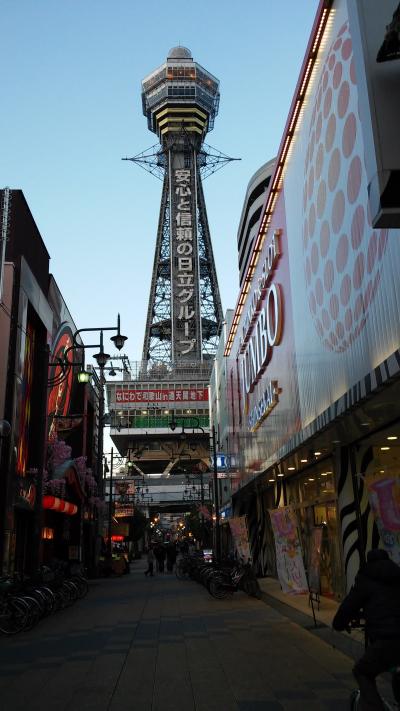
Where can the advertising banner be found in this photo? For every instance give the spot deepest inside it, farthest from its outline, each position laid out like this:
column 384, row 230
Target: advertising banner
column 314, row 560
column 384, row 498
column 289, row 558
column 240, row 536
column 144, row 396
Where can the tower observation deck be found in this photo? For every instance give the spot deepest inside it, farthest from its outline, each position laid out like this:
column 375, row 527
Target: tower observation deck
column 184, row 318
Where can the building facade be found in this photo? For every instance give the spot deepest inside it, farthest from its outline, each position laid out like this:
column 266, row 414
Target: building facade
column 46, row 487
column 313, row 360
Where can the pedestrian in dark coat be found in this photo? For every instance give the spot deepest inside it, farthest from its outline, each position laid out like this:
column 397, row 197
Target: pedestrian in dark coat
column 159, row 552
column 375, row 597
column 171, row 557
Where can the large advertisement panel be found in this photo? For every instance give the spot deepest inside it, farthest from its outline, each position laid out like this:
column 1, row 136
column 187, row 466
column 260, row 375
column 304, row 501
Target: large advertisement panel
column 330, row 290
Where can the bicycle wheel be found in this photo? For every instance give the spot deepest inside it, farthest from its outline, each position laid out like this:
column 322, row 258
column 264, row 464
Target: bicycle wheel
column 181, row 571
column 13, row 616
column 354, row 699
column 81, row 584
column 218, row 591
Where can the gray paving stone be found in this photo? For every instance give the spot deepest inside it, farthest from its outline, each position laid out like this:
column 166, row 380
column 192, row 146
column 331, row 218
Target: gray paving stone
column 166, row 645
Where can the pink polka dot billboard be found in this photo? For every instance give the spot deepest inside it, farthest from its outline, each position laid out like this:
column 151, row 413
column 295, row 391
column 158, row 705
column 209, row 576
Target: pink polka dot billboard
column 342, row 253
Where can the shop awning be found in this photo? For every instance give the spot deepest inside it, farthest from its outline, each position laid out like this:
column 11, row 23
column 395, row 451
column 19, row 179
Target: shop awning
column 56, row 504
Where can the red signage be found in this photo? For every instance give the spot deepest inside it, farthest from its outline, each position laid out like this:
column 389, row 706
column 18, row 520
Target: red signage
column 162, row 396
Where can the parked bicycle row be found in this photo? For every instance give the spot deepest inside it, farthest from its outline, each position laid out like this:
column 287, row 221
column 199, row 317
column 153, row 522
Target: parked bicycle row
column 221, row 579
column 24, row 602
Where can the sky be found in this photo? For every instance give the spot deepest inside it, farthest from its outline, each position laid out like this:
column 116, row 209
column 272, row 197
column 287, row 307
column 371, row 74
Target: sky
column 71, row 109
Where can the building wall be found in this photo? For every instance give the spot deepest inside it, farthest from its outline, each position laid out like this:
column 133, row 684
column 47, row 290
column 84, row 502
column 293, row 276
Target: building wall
column 334, row 335
column 251, row 213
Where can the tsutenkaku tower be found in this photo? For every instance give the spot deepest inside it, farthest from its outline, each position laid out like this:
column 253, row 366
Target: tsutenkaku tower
column 184, row 318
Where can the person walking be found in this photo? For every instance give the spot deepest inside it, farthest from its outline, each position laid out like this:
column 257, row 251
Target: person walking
column 150, row 563
column 161, row 557
column 171, row 557
column 375, row 597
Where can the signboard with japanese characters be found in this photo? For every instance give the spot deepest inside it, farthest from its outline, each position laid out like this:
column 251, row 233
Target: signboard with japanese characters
column 161, row 396
column 186, row 331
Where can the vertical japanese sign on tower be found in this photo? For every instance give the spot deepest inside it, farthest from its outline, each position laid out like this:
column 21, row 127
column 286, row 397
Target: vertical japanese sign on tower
column 185, row 274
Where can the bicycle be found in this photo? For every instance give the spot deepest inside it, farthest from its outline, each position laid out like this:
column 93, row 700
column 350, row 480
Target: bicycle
column 394, row 671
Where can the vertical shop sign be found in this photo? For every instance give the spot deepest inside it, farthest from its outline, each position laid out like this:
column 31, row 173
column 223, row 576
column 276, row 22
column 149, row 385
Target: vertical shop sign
column 384, row 498
column 240, row 537
column 185, row 261
column 289, row 558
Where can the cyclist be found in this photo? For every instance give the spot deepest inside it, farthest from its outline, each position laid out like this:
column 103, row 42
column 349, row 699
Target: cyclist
column 375, row 596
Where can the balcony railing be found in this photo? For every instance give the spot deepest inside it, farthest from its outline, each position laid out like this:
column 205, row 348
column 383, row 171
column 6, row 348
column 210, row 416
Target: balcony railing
column 150, row 422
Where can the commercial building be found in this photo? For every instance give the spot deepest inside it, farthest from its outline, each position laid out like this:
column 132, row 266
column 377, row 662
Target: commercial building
column 47, row 495
column 313, row 359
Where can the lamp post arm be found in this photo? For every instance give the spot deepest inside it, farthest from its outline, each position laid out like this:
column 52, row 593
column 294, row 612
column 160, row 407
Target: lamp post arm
column 80, row 330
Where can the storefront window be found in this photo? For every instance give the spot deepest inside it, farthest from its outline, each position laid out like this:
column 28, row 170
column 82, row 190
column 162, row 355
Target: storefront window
column 313, row 496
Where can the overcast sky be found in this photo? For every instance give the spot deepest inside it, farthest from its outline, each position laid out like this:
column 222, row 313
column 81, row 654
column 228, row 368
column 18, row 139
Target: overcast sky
column 71, row 109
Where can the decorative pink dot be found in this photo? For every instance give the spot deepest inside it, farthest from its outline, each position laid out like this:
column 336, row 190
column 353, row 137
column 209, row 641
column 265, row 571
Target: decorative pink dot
column 319, row 97
column 372, row 250
column 329, row 275
column 319, row 292
column 368, row 295
column 311, row 183
column 330, row 133
column 318, row 326
column 375, row 286
column 327, row 102
column 314, row 258
column 337, row 75
column 318, row 128
column 354, row 179
column 312, row 145
column 325, row 78
column 382, row 243
column 319, row 161
column 305, row 197
column 324, row 239
column 345, row 290
column 348, row 319
column 311, row 221
column 343, row 100
column 338, row 211
column 353, row 76
column 305, row 236
column 331, row 61
column 346, row 49
column 342, row 29
column 334, row 170
column 358, row 271
column 340, row 329
column 358, row 307
column 313, row 305
column 349, row 135
column 337, row 44
column 334, row 306
column 357, row 227
column 333, row 339
column 321, row 199
column 345, row 344
column 342, row 253
column 327, row 344
column 326, row 319
column 308, row 270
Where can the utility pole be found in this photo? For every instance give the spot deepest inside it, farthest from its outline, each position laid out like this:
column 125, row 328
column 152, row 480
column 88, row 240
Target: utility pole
column 216, row 497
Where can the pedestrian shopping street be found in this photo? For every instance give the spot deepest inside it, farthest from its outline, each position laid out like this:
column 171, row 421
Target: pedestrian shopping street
column 160, row 643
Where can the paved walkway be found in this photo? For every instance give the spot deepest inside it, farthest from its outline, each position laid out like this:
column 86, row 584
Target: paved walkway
column 160, row 644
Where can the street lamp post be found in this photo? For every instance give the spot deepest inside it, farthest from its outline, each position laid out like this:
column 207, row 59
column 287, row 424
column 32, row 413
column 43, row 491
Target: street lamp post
column 172, row 426
column 216, row 497
column 110, row 507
